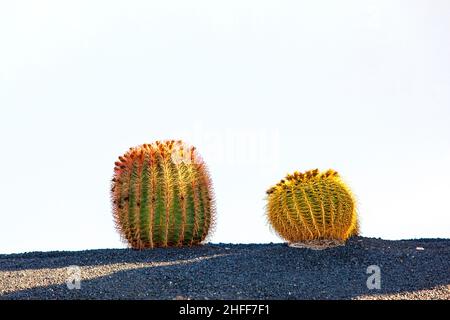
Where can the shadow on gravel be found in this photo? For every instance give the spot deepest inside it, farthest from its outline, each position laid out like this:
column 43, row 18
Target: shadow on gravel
column 62, row 259
column 271, row 271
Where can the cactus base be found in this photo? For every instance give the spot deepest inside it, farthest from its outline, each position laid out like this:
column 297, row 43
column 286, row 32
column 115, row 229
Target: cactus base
column 317, row 244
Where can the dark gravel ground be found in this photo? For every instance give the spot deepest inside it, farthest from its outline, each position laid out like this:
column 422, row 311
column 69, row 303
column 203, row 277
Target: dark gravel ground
column 410, row 269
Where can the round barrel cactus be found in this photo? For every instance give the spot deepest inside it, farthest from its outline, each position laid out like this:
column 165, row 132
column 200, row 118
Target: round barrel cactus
column 312, row 205
column 162, row 196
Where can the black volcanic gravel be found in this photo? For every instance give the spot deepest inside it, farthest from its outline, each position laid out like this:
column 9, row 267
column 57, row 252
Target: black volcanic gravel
column 410, row 269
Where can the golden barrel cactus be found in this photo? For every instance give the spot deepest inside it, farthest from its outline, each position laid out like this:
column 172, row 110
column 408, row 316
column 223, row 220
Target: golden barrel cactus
column 312, row 206
column 162, row 196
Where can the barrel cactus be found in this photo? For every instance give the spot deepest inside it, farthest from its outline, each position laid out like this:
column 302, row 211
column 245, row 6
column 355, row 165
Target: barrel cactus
column 162, row 196
column 312, row 206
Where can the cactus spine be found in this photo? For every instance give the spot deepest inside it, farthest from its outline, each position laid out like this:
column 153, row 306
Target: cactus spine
column 312, row 205
column 162, row 196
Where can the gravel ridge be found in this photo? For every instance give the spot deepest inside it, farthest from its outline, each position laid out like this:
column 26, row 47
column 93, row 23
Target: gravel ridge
column 410, row 269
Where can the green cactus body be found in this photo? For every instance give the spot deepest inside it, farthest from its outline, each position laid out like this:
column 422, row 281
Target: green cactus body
column 162, row 196
column 312, row 205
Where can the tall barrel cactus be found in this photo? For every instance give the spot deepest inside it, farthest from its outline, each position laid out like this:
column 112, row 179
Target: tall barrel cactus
column 312, row 205
column 162, row 196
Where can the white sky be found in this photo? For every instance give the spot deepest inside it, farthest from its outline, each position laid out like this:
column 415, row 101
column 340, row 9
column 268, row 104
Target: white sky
column 262, row 88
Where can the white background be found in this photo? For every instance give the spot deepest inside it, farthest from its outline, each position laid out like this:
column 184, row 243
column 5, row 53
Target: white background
column 262, row 88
